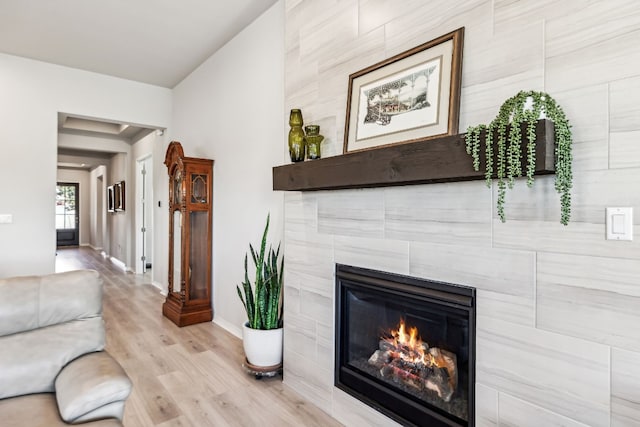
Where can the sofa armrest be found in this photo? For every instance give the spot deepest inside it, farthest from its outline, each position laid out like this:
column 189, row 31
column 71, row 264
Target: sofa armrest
column 93, row 386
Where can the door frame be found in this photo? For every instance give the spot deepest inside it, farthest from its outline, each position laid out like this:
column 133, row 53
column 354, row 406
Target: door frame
column 76, row 240
column 143, row 207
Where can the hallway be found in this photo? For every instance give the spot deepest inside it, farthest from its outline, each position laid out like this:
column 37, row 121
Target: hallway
column 189, row 376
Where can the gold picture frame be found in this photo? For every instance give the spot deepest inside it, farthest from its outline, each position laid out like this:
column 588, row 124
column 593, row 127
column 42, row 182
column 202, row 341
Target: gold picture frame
column 409, row 97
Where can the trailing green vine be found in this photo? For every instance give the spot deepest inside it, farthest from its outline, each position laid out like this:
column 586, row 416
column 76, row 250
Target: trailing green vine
column 524, row 108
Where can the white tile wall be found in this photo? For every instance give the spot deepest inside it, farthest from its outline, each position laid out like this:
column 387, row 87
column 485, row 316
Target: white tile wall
column 351, row 213
column 510, row 308
column 608, row 291
column 594, row 60
column 430, row 213
column 497, row 270
column 518, row 413
column 557, row 306
column 511, row 52
column 624, row 100
column 588, row 112
column 624, row 149
column 378, row 254
column 561, row 374
column 486, row 406
column 481, row 102
column 625, row 388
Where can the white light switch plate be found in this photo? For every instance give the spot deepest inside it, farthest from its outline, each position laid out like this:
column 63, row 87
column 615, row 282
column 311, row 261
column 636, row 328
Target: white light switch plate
column 6, row 218
column 619, row 223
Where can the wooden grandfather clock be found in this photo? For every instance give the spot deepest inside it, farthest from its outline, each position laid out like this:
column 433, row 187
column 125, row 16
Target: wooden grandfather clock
column 190, row 191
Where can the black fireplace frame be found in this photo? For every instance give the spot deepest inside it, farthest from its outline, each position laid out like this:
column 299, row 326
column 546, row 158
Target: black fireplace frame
column 452, row 295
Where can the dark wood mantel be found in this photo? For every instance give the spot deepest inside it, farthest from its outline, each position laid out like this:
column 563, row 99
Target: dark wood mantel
column 436, row 160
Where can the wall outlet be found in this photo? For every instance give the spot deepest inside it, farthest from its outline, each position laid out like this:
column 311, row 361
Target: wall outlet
column 6, row 219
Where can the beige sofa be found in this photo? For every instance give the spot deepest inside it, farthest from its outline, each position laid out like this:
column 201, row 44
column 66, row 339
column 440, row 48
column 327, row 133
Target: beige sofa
column 53, row 370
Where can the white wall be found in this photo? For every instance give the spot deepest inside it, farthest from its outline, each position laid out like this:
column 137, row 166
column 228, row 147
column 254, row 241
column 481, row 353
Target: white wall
column 98, row 220
column 119, row 222
column 32, row 94
column 81, row 177
column 231, row 110
column 558, row 342
column 160, row 269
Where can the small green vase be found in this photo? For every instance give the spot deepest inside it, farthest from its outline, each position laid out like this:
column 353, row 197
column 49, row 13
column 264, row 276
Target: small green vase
column 297, row 144
column 313, row 139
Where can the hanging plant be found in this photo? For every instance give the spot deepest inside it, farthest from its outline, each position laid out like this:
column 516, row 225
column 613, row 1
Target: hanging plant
column 526, row 107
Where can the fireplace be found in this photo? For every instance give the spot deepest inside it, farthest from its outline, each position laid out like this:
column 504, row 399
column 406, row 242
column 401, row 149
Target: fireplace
column 406, row 346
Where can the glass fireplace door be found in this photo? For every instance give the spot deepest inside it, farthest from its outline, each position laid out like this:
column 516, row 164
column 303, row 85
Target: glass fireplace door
column 405, row 349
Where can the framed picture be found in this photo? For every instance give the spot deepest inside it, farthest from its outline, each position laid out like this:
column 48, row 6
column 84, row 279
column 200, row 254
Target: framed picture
column 110, row 200
column 410, row 97
column 118, row 189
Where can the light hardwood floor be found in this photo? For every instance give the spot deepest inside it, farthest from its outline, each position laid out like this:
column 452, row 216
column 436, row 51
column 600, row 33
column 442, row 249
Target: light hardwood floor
column 189, row 376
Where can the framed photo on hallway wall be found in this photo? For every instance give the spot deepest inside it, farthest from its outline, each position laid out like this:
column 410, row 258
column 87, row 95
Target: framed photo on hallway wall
column 118, row 200
column 110, row 201
column 410, row 97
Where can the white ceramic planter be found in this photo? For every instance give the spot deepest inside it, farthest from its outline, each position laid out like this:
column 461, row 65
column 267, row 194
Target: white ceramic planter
column 262, row 347
column 528, row 105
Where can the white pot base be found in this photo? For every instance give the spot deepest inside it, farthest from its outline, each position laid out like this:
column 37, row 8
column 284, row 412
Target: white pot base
column 262, row 347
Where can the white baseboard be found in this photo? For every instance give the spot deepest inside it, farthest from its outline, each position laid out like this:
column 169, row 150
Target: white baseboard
column 121, row 265
column 162, row 288
column 95, row 248
column 229, row 327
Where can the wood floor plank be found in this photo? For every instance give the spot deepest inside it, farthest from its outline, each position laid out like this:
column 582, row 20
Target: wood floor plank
column 184, row 377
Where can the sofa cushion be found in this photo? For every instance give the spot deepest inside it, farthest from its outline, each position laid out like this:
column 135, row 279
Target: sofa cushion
column 30, row 361
column 31, row 302
column 39, row 410
column 90, row 385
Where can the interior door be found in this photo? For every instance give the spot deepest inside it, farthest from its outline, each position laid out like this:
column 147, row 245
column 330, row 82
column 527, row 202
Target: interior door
column 67, row 219
column 143, row 230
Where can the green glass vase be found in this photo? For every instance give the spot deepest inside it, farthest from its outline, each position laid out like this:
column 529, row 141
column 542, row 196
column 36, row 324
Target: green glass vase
column 313, row 139
column 297, row 145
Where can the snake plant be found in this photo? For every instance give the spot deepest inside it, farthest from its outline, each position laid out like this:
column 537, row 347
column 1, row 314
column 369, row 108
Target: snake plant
column 262, row 299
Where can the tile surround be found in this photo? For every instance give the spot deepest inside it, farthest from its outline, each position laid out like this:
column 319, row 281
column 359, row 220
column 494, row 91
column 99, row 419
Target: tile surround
column 561, row 374
column 609, row 294
column 624, row 150
column 625, row 388
column 430, row 213
column 486, row 406
column 514, row 309
column 355, row 213
column 378, row 254
column 501, row 271
column 518, row 413
column 624, row 100
column 554, row 345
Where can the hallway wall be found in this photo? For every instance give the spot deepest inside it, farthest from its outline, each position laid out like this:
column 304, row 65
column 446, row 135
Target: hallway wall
column 33, row 93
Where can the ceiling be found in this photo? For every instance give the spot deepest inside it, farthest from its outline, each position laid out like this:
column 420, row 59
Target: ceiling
column 159, row 42
column 74, row 158
column 73, row 124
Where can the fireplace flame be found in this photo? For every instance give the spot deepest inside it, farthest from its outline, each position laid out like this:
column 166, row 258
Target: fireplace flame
column 403, row 358
column 411, row 339
column 413, row 348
